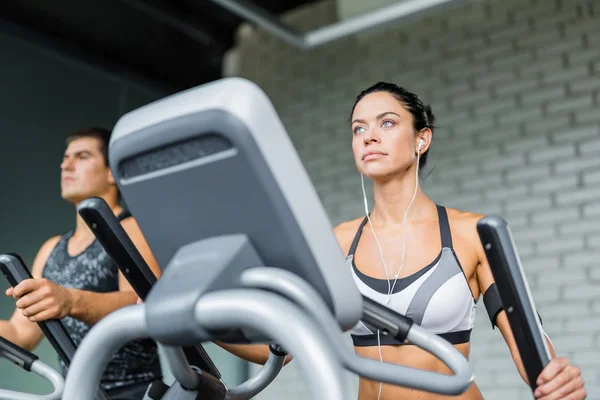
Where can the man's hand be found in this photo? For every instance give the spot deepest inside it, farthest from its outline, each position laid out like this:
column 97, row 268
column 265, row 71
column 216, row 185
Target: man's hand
column 560, row 380
column 41, row 299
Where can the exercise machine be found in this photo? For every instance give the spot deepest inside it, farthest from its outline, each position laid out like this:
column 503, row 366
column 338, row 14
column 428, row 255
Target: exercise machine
column 111, row 235
column 247, row 251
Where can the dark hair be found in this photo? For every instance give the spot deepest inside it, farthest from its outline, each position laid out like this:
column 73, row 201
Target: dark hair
column 103, row 136
column 422, row 115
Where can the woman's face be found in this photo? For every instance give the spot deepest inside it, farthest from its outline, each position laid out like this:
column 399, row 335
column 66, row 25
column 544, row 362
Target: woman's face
column 384, row 140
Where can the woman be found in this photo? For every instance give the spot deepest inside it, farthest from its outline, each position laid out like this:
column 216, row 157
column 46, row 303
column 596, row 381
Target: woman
column 416, row 257
column 435, row 273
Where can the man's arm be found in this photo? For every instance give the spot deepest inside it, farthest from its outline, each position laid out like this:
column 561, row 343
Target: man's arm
column 42, row 299
column 19, row 329
column 91, row 307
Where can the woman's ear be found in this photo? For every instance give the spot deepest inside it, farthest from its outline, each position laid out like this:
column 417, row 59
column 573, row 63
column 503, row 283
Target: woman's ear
column 424, row 140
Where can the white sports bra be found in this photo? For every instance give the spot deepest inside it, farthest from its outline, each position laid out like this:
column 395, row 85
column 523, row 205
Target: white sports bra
column 437, row 297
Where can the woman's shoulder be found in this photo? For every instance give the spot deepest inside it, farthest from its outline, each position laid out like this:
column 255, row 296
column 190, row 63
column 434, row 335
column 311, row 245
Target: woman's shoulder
column 464, row 223
column 346, row 231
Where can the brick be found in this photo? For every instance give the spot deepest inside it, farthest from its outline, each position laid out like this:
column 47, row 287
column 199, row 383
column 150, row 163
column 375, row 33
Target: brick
column 495, row 107
column 596, row 307
column 538, row 66
column 504, row 193
column 555, row 215
column 576, row 134
column 586, row 117
column 577, row 164
column 521, row 115
column 580, row 196
column 566, row 75
column 528, row 173
column 493, row 51
column 561, row 245
column 459, row 171
column 550, row 123
column 593, row 241
column 591, row 210
column 482, row 182
column 491, row 137
column 579, row 57
column 573, row 341
column 595, row 275
column 555, row 184
column 591, row 146
column 541, row 39
column 543, row 95
column 583, row 26
column 549, row 295
column 566, row 309
column 509, row 33
column 503, row 162
column 542, row 264
column 511, row 61
column 562, row 46
column 466, row 72
column 495, row 79
column 477, row 127
column 560, row 278
column 591, row 178
column 476, row 154
column 578, row 324
column 552, row 153
column 525, row 144
column 580, row 260
column 554, row 19
column 579, row 227
column 530, row 204
column 586, row 291
column 572, row 104
column 462, row 45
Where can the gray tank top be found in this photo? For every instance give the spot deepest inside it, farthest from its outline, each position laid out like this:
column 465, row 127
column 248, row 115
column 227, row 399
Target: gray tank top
column 93, row 270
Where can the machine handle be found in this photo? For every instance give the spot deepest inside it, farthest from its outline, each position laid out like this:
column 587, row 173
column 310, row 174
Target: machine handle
column 110, row 234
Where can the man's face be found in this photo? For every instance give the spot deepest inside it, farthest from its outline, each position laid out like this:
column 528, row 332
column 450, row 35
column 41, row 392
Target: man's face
column 84, row 172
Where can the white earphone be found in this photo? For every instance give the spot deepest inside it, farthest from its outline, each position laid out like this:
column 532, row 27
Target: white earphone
column 391, row 287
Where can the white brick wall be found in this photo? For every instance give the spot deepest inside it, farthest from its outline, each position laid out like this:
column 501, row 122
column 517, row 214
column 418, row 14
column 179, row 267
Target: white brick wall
column 515, row 86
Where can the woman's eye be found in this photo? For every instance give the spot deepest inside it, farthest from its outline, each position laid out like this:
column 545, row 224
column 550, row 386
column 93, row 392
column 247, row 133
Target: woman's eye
column 358, row 129
column 387, row 123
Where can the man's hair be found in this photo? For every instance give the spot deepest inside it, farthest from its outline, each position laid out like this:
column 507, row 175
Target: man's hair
column 103, row 136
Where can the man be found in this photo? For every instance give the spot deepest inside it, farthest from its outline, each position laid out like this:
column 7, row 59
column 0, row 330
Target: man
column 76, row 281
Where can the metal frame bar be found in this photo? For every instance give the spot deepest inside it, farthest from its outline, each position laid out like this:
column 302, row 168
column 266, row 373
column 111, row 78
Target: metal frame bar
column 333, row 32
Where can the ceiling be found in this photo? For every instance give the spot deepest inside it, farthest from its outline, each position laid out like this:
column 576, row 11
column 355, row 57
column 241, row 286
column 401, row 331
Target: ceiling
column 176, row 44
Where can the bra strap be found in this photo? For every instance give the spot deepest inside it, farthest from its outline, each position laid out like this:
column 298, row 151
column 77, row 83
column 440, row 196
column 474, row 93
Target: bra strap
column 357, row 237
column 444, row 227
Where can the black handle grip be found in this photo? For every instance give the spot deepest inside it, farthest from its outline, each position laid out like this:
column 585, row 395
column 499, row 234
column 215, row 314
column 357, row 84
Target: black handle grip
column 15, row 270
column 110, row 234
column 381, row 317
column 514, row 291
column 16, row 354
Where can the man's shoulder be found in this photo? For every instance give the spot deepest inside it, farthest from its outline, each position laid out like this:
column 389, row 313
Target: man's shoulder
column 51, row 243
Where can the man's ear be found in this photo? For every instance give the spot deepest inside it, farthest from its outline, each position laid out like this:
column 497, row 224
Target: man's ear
column 111, row 178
